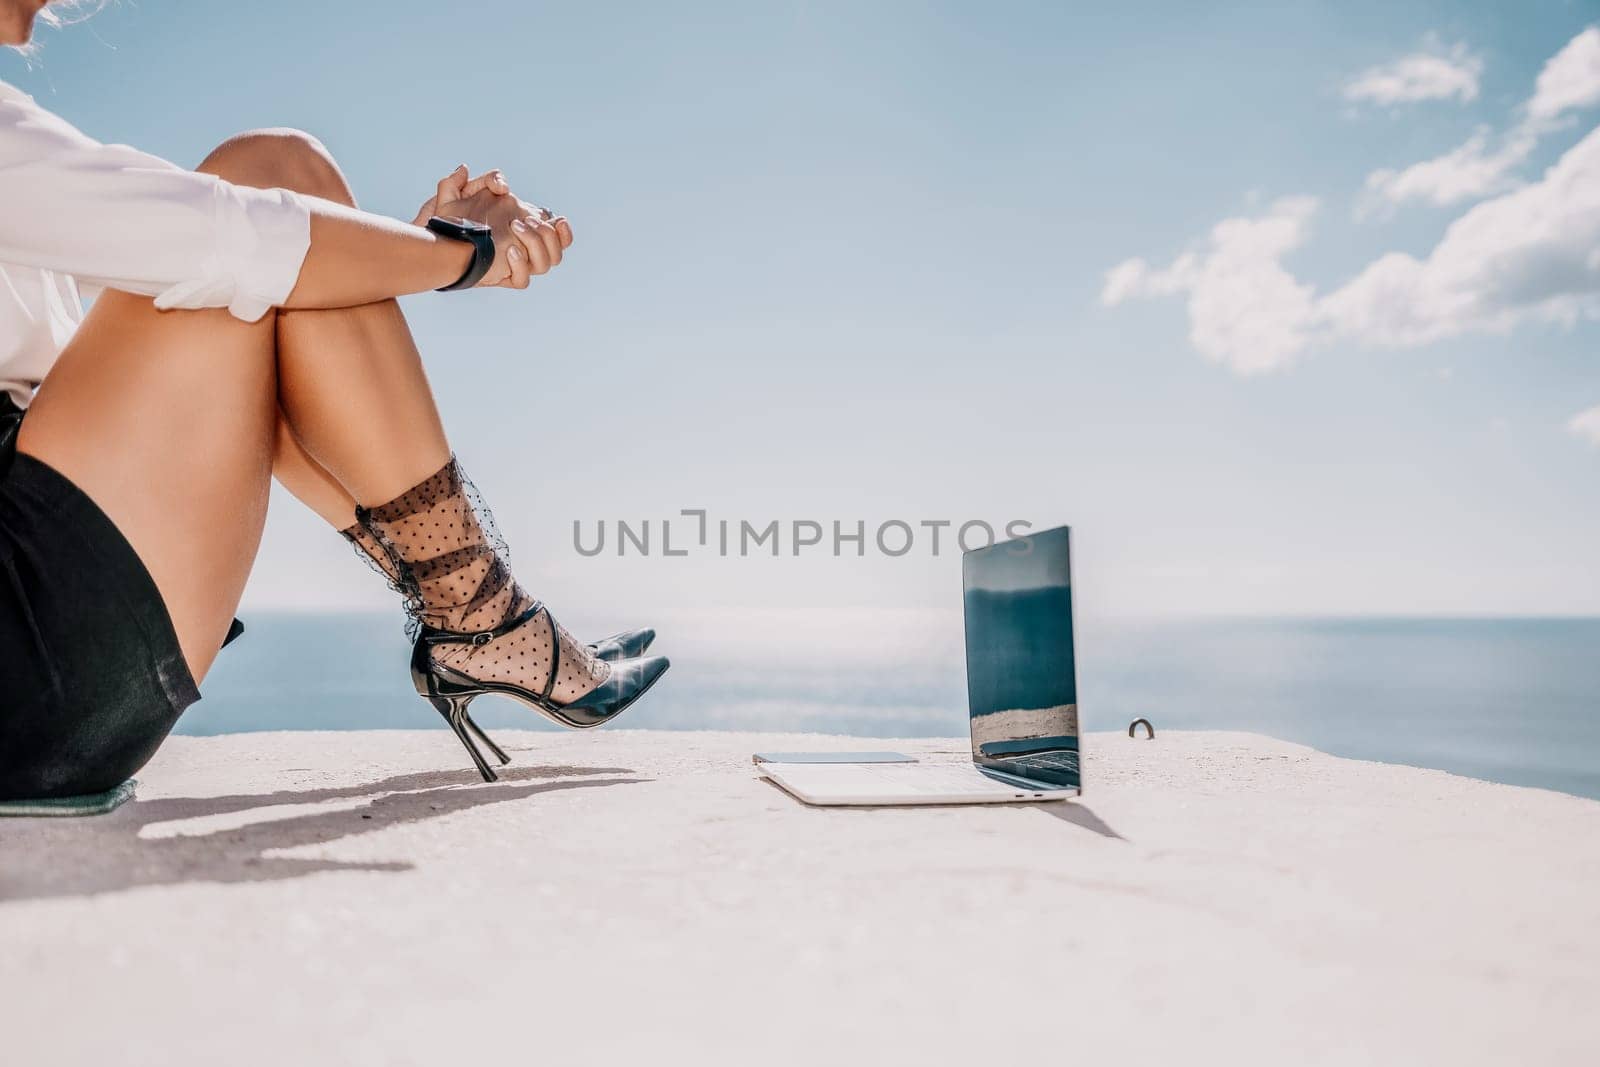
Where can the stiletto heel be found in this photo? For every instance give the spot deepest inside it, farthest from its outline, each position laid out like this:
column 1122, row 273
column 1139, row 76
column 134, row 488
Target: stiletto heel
column 485, row 738
column 454, row 710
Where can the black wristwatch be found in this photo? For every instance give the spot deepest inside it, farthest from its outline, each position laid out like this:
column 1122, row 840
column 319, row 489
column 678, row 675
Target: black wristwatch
column 478, row 236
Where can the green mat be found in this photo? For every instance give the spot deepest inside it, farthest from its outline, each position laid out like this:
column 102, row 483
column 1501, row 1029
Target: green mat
column 88, row 804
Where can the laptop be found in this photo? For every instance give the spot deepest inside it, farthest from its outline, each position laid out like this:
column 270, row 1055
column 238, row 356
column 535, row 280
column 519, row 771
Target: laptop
column 1022, row 694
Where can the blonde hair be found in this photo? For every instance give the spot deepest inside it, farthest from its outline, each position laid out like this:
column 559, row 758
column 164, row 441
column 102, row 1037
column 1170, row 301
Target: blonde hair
column 51, row 14
column 59, row 13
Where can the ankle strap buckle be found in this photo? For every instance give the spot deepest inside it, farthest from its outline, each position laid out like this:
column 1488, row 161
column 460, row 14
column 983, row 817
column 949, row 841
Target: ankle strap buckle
column 431, row 636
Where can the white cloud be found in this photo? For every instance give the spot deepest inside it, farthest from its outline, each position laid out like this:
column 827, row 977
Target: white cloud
column 1435, row 73
column 1526, row 254
column 1128, row 278
column 1533, row 253
column 1469, row 172
column 1570, row 80
column 1586, row 424
column 1245, row 310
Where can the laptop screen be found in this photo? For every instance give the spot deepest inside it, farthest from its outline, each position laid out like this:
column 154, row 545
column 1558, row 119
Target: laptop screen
column 1022, row 691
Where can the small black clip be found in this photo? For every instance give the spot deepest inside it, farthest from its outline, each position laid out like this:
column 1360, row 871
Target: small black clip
column 1150, row 731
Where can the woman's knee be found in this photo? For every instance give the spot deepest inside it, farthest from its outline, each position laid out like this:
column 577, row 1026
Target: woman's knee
column 280, row 158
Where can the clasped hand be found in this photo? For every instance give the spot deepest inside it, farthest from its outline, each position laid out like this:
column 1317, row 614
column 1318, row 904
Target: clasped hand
column 528, row 239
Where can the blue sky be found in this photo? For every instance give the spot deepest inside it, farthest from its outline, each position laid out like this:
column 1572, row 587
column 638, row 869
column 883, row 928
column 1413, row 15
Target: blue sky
column 851, row 262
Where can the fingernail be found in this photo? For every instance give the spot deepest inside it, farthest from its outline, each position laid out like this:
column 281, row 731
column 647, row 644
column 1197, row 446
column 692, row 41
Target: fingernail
column 515, row 253
column 517, row 225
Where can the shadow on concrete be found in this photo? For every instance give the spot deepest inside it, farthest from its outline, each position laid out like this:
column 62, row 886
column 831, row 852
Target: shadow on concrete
column 42, row 858
column 1078, row 815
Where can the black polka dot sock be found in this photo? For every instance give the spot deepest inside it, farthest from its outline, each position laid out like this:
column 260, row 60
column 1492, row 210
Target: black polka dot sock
column 444, row 554
column 368, row 548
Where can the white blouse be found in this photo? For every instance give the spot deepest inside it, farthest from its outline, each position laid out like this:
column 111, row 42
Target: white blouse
column 76, row 213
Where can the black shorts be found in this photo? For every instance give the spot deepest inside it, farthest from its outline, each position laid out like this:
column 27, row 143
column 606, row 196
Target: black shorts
column 91, row 675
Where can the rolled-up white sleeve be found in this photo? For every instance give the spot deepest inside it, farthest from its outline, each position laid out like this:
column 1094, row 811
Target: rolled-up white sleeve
column 112, row 216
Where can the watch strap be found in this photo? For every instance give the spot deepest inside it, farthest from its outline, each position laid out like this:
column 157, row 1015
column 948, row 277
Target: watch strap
column 482, row 242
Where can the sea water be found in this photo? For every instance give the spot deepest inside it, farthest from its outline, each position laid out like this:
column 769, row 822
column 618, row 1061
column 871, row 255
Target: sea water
column 1510, row 700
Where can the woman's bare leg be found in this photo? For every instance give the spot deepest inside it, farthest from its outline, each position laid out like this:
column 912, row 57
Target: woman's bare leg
column 308, row 480
column 352, row 387
column 344, row 375
column 166, row 421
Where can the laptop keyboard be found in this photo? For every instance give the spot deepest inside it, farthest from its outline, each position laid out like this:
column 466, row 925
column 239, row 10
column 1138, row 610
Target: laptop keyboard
column 1044, row 761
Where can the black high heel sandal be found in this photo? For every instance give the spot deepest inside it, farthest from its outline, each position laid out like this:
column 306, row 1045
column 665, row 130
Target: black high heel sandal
column 450, row 691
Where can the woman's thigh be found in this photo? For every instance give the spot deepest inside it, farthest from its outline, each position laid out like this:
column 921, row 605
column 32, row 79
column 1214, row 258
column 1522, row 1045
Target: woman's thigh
column 166, row 421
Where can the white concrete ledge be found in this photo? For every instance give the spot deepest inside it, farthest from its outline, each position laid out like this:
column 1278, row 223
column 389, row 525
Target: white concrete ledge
column 1216, row 898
